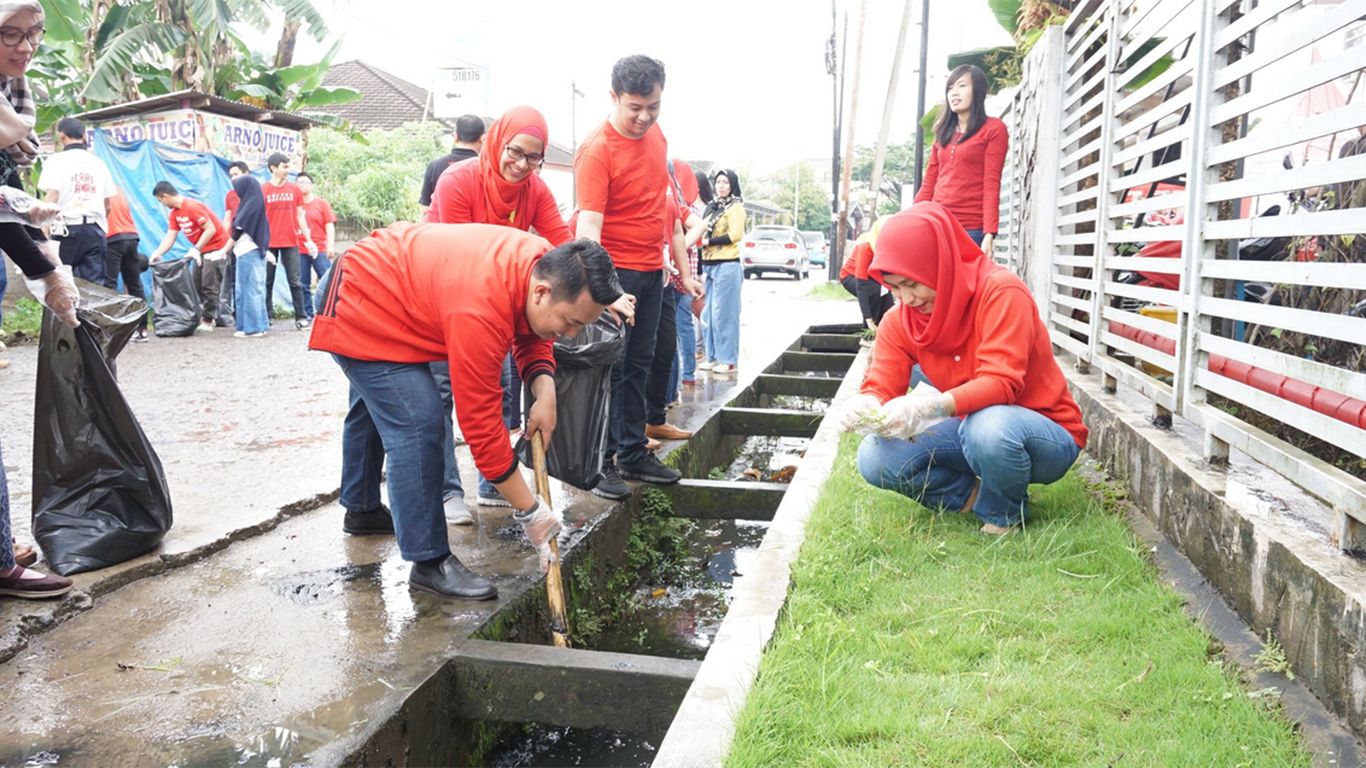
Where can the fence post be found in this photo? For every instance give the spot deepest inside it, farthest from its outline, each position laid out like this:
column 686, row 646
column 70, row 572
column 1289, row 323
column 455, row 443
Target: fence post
column 1103, row 174
column 1044, row 175
column 1194, row 248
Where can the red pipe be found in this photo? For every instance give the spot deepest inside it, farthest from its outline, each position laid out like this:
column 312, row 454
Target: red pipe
column 1320, row 400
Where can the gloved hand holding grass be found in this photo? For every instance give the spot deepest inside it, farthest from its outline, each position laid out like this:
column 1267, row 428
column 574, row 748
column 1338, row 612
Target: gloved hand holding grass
column 57, row 291
column 861, row 414
column 906, row 416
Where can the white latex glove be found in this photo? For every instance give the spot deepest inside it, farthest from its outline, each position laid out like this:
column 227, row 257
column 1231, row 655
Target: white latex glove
column 860, row 413
column 541, row 524
column 270, row 257
column 194, row 253
column 906, row 416
column 57, row 291
column 218, row 255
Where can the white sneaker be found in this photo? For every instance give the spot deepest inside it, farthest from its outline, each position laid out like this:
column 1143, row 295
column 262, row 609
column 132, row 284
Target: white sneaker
column 457, row 513
column 705, row 365
column 723, row 368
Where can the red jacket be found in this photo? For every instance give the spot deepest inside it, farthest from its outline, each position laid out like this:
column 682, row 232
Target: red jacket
column 417, row 293
column 1006, row 360
column 856, row 263
column 453, row 203
column 966, row 177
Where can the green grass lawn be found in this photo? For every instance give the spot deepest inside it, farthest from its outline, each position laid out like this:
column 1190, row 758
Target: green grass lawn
column 830, row 292
column 23, row 322
column 911, row 639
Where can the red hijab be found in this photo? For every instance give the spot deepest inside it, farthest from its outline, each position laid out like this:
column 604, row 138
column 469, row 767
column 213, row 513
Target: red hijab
column 504, row 199
column 926, row 244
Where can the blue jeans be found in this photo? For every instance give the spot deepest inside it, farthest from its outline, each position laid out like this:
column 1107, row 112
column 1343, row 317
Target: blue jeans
column 1007, row 446
column 308, row 266
column 722, row 311
column 4, row 286
column 251, row 293
column 632, row 369
column 685, row 359
column 395, row 413
column 976, row 235
column 450, row 485
column 6, row 545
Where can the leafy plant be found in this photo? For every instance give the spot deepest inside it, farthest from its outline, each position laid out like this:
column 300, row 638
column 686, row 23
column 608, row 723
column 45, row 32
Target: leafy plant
column 373, row 183
column 1272, row 658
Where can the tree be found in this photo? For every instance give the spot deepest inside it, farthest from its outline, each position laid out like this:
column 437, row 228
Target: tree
column 813, row 206
column 374, row 183
column 897, row 171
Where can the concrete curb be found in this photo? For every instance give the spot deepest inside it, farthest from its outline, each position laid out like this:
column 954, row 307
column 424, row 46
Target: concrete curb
column 701, row 732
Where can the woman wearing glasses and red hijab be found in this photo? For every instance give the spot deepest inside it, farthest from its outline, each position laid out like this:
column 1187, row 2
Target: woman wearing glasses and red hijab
column 502, row 187
column 1002, row 417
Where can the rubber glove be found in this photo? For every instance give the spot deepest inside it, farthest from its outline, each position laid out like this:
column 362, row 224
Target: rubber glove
column 57, row 291
column 541, row 524
column 906, row 416
column 860, row 413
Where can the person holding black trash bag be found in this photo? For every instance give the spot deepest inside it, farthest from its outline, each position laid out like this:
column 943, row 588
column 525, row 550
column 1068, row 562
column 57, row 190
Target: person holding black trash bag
column 411, row 294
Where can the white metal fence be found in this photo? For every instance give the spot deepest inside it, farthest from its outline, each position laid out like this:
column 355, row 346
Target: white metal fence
column 1182, row 123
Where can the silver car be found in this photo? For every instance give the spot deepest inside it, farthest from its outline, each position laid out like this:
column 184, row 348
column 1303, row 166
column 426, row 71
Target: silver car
column 771, row 248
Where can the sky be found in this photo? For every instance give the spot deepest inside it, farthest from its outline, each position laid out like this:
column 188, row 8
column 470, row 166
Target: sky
column 746, row 81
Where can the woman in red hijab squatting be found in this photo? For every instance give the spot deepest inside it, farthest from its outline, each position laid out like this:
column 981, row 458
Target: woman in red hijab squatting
column 1002, row 417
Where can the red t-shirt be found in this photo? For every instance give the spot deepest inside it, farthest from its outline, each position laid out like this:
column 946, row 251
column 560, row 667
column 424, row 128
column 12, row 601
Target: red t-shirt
column 192, row 218
column 626, row 180
column 416, row 293
column 231, row 202
column 1006, row 360
column 120, row 218
column 454, row 202
column 318, row 214
column 966, row 177
column 282, row 212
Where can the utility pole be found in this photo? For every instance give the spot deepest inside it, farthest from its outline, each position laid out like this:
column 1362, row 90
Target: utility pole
column 574, row 95
column 880, row 154
column 849, row 134
column 796, row 193
column 836, row 74
column 920, row 97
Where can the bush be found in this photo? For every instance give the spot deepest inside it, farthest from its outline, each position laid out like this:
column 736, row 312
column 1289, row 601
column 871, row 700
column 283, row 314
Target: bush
column 377, row 182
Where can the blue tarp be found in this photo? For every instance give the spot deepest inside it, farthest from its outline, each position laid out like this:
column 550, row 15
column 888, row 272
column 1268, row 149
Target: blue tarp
column 137, row 167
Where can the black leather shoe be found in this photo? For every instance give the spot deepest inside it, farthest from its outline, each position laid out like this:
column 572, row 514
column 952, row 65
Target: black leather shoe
column 451, row 579
column 368, row 523
column 611, row 486
column 651, row 470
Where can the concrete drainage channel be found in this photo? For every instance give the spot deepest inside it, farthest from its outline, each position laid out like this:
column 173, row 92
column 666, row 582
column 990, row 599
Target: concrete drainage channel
column 661, row 594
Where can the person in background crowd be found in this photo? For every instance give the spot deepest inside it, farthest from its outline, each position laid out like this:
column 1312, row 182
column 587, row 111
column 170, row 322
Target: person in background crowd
column 250, row 228
column 696, row 195
column 679, row 269
column 21, row 32
column 621, row 178
column 501, row 187
column 207, row 238
column 123, row 259
column 964, row 174
column 872, row 302
column 411, row 294
column 725, row 218
column 81, row 185
column 322, row 229
column 288, row 230
column 469, row 137
column 230, row 202
column 1005, row 416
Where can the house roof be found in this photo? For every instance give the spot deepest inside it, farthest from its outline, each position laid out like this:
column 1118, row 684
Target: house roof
column 191, row 99
column 388, row 101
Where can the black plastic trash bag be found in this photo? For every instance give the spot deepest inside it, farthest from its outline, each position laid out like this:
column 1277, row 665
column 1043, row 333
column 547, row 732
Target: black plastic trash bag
column 227, row 294
column 175, row 298
column 99, row 493
column 583, row 387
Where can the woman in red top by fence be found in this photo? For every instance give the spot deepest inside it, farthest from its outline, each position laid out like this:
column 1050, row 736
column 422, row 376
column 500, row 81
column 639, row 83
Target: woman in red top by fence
column 975, row 332
column 969, row 151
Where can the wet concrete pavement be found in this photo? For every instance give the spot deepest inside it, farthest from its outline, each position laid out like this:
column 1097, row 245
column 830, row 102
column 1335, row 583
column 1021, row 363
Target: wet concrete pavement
column 270, row 644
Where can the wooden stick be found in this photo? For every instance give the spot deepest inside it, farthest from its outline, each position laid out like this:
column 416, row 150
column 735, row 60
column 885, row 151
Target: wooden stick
column 554, row 585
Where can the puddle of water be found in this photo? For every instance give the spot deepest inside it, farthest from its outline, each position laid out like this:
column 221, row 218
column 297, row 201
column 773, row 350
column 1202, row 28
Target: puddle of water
column 539, row 745
column 769, row 455
column 799, row 403
column 680, row 619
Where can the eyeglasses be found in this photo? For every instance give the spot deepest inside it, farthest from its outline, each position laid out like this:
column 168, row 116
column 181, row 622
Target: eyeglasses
column 533, row 159
column 10, row 37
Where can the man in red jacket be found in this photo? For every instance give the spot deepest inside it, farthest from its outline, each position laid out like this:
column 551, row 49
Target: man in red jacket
column 465, row 293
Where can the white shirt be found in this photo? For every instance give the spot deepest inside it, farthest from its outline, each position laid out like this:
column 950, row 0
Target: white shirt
column 82, row 182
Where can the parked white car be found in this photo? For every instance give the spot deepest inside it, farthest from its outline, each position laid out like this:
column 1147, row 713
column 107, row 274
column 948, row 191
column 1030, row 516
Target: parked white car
column 771, row 248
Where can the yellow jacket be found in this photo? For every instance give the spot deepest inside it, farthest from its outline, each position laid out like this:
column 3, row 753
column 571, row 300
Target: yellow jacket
column 732, row 223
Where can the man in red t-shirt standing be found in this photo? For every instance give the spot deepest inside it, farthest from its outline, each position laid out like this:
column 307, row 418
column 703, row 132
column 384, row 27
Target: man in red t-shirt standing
column 206, row 235
column 230, row 203
column 288, row 229
column 621, row 177
column 322, row 229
